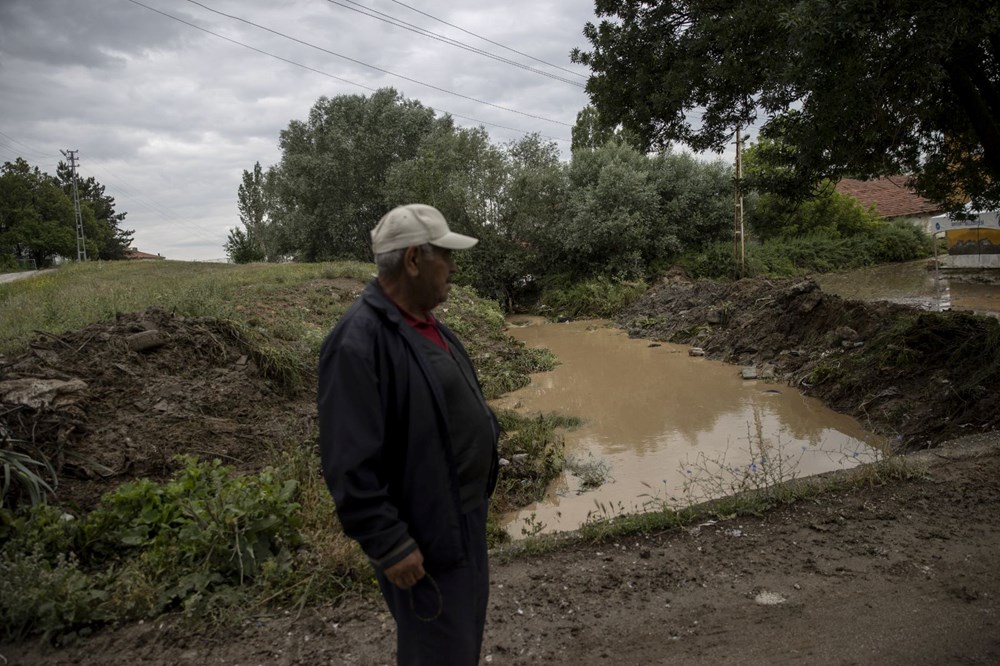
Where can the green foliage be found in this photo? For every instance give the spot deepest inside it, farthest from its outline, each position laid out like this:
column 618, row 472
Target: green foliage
column 190, row 542
column 106, row 239
column 855, row 88
column 20, row 473
column 783, row 257
column 257, row 242
column 329, row 189
column 826, row 213
column 539, row 457
column 597, row 297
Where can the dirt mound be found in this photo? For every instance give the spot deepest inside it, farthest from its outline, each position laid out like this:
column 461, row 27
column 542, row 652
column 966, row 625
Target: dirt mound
column 119, row 400
column 917, row 376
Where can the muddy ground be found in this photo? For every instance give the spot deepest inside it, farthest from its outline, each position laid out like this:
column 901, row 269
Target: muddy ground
column 919, row 378
column 901, row 573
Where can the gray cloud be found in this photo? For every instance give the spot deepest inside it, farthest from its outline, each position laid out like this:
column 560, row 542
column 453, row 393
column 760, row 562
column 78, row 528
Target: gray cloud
column 168, row 116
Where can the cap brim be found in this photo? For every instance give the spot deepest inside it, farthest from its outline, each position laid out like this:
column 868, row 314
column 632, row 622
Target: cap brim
column 453, row 241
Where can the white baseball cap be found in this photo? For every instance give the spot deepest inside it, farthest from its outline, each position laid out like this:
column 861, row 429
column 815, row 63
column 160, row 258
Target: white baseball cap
column 416, row 224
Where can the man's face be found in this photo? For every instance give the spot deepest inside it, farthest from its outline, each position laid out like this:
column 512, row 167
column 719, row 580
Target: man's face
column 434, row 278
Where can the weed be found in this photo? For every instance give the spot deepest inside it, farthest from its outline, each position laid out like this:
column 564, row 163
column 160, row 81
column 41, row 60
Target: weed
column 22, row 473
column 592, row 472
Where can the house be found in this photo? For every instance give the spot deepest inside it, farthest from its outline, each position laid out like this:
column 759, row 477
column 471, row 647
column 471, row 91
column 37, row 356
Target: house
column 893, row 199
column 134, row 254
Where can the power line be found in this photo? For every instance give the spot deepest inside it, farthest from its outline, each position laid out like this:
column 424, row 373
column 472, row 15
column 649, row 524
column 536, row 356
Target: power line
column 38, row 154
column 337, row 78
column 486, row 39
column 339, row 55
column 120, row 191
column 399, row 23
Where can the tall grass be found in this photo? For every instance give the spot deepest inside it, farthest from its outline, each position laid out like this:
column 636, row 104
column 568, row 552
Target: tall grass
column 77, row 295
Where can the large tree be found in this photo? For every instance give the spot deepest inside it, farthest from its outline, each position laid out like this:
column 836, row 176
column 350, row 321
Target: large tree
column 329, row 188
column 102, row 225
column 856, row 87
column 36, row 217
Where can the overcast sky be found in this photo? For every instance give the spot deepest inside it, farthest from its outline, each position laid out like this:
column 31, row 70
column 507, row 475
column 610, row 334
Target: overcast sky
column 168, row 116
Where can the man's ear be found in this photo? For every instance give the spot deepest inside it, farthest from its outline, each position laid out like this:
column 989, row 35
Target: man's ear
column 410, row 261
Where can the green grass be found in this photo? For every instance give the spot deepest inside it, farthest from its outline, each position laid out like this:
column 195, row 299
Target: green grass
column 204, row 543
column 80, row 294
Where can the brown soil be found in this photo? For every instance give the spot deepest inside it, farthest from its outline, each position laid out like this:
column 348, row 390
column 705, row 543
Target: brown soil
column 918, row 377
column 902, row 573
column 105, row 413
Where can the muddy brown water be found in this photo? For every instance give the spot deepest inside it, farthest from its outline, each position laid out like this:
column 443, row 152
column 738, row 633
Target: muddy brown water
column 911, row 283
column 667, row 427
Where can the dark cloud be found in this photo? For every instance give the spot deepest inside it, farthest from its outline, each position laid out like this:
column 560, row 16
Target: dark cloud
column 86, row 34
column 167, row 116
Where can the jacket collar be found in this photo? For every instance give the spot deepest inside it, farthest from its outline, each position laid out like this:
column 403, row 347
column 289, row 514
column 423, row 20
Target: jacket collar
column 382, row 304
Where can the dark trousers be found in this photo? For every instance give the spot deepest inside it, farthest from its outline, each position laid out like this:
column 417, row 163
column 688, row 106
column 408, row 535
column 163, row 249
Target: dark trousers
column 444, row 629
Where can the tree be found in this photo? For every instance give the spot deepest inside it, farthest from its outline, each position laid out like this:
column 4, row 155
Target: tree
column 856, row 87
column 252, row 202
column 37, row 219
column 106, row 239
column 329, row 187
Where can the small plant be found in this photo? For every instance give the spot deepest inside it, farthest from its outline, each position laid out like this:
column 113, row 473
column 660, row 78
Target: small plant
column 532, row 525
column 592, row 472
column 21, row 472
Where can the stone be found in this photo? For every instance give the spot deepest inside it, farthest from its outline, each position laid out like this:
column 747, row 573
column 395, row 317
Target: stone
column 145, row 340
column 748, row 373
column 696, row 351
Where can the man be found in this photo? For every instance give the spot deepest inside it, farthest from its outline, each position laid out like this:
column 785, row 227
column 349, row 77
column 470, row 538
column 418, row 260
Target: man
column 408, row 443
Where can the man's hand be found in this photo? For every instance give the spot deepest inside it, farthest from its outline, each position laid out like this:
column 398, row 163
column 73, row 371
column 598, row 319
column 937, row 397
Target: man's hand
column 405, row 573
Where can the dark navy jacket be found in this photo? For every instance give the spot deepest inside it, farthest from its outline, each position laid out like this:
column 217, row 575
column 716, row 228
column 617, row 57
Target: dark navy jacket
column 383, row 437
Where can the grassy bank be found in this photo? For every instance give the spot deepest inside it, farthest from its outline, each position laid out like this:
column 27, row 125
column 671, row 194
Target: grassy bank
column 216, row 538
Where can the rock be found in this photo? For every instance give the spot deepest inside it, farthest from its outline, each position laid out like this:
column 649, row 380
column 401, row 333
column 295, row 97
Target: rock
column 713, row 317
column 767, row 371
column 37, row 393
column 696, row 351
column 145, row 340
column 749, row 373
column 845, row 333
column 519, row 458
column 810, row 301
column 503, row 462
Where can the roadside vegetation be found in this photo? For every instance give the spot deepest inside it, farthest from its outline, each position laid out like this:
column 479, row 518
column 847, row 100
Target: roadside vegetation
column 213, row 537
column 185, row 479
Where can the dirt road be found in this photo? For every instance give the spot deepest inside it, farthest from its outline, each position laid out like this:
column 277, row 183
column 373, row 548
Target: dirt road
column 904, row 573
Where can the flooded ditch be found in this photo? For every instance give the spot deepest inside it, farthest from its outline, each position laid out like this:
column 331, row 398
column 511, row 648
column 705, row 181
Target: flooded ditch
column 662, row 426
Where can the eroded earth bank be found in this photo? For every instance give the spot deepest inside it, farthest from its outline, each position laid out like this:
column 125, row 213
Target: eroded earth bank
column 896, row 568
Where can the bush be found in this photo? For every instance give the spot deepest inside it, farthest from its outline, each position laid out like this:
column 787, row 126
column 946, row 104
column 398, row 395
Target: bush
column 191, row 542
column 597, row 297
column 886, row 242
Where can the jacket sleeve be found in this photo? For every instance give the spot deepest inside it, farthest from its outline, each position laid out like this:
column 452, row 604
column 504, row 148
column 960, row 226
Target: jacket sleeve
column 353, row 453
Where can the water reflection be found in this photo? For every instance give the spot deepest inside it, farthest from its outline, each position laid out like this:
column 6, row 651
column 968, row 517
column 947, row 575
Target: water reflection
column 659, row 419
column 912, row 283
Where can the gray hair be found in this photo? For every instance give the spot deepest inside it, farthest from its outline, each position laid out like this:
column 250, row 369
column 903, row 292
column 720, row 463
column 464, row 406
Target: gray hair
column 390, row 263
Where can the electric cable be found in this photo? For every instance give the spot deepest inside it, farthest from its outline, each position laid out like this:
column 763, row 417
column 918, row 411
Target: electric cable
column 399, row 23
column 338, row 55
column 486, row 39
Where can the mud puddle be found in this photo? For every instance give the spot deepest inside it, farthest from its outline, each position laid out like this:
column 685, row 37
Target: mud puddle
column 911, row 283
column 662, row 426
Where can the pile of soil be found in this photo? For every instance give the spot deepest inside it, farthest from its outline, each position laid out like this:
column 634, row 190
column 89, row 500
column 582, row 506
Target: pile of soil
column 918, row 377
column 119, row 400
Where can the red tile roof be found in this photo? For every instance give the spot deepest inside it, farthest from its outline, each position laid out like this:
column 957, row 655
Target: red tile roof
column 136, row 254
column 891, row 196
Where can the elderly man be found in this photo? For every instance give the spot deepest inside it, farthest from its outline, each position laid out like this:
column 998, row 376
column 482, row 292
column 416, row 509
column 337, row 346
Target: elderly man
column 408, row 443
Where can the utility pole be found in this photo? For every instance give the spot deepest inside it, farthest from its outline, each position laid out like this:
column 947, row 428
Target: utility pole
column 81, row 243
column 739, row 245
